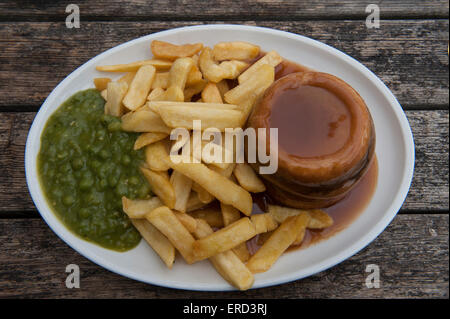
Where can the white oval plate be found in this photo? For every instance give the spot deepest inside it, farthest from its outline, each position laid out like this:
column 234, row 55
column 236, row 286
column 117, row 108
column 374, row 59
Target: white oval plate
column 394, row 149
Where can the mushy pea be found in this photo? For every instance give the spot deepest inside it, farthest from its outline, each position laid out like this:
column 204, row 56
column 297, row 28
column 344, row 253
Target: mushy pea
column 86, row 164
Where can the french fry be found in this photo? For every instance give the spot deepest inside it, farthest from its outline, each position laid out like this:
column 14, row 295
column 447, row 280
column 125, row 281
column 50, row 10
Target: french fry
column 160, row 184
column 211, row 215
column 319, row 218
column 277, row 243
column 194, row 89
column 210, row 69
column 202, row 193
column 227, row 263
column 168, row 224
column 195, row 59
column 253, row 88
column 157, row 156
column 194, row 76
column 148, row 138
column 138, row 208
column 187, row 220
column 236, row 50
column 223, row 87
column 162, row 78
column 229, row 214
column 242, row 252
column 177, row 79
column 280, row 213
column 233, row 68
column 127, row 77
column 224, row 239
column 101, row 83
column 182, row 187
column 157, row 105
column 211, row 94
column 144, row 121
column 160, row 244
column 104, row 94
column 183, row 116
column 220, row 187
column 134, row 66
column 263, row 223
column 169, row 51
column 272, row 58
column 194, row 202
column 248, row 179
column 157, row 94
column 115, row 93
column 301, row 235
column 139, row 87
column 225, row 172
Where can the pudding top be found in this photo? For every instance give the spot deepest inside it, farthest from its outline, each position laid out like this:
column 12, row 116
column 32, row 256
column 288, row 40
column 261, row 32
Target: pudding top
column 312, row 121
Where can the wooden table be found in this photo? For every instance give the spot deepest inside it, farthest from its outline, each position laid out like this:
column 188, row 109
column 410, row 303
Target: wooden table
column 408, row 52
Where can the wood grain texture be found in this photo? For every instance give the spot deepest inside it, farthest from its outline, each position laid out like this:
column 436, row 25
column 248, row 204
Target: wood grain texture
column 225, row 9
column 412, row 254
column 429, row 189
column 410, row 56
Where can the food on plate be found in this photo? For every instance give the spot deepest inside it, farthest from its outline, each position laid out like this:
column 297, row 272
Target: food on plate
column 113, row 166
column 160, row 244
column 139, row 87
column 167, row 223
column 326, row 138
column 86, row 164
column 277, row 243
column 227, row 264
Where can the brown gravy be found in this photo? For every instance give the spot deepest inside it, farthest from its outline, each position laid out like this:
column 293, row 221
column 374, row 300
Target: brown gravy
column 345, row 211
column 322, row 121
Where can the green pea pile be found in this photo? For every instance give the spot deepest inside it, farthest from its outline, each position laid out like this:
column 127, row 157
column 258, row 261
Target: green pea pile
column 86, row 164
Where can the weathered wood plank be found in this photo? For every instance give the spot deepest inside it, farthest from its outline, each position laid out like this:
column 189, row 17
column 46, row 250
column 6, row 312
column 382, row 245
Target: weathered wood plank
column 429, row 189
column 231, row 10
column 412, row 254
column 409, row 56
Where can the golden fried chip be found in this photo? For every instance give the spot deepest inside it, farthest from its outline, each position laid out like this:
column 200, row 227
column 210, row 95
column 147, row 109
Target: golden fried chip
column 138, row 208
column 272, row 58
column 168, row 224
column 160, row 244
column 248, row 179
column 169, row 51
column 182, row 186
column 101, row 83
column 278, row 242
column 134, row 66
column 227, row 264
column 236, row 50
column 160, row 184
column 115, row 93
column 139, row 88
column 224, row 239
column 144, row 121
column 217, row 185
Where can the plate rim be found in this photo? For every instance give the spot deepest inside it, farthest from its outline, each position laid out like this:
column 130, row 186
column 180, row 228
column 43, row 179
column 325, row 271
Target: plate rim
column 353, row 249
